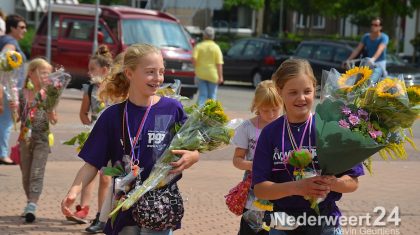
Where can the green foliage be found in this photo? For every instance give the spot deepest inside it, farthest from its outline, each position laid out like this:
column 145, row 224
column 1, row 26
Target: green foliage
column 254, row 4
column 26, row 43
column 224, row 46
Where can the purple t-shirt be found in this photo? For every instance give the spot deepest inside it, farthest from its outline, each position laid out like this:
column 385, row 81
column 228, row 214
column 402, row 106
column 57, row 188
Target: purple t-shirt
column 268, row 166
column 105, row 141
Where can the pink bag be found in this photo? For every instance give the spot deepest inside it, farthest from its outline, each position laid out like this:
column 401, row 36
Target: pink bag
column 15, row 154
column 237, row 196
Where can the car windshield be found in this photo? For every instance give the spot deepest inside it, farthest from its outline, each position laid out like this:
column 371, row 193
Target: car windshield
column 155, row 32
column 395, row 60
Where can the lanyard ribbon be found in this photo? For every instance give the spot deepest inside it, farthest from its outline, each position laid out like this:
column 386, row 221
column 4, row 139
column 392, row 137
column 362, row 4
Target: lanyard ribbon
column 133, row 142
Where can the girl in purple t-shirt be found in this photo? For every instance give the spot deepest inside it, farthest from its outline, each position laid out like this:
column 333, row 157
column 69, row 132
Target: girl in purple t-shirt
column 273, row 177
column 148, row 119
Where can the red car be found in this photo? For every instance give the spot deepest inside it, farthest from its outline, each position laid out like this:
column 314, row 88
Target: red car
column 72, row 35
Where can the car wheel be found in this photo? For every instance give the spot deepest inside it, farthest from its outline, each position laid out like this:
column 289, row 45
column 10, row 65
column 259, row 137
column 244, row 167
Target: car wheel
column 256, row 79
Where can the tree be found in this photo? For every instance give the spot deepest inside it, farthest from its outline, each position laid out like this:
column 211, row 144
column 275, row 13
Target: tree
column 253, row 4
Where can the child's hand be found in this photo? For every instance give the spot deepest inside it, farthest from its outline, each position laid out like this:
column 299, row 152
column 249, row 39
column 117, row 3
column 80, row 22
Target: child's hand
column 186, row 161
column 318, row 186
column 52, row 116
column 66, row 203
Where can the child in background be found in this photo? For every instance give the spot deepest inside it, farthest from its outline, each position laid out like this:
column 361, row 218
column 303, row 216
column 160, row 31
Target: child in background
column 267, row 106
column 146, row 114
column 273, row 177
column 33, row 139
column 99, row 67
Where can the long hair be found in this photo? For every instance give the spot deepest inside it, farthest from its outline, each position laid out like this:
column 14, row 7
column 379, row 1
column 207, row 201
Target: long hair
column 117, row 84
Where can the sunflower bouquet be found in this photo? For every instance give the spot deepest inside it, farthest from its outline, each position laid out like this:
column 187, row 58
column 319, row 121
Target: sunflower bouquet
column 10, row 62
column 357, row 118
column 206, row 129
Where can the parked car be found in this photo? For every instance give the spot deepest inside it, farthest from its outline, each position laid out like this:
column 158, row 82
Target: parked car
column 253, row 60
column 324, row 55
column 395, row 66
column 72, row 34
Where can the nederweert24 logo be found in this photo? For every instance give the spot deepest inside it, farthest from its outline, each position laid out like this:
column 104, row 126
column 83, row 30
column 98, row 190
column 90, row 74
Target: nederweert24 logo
column 155, row 138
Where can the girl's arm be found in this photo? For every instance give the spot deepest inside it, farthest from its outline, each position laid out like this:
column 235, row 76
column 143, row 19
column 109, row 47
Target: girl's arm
column 188, row 159
column 52, row 116
column 84, row 110
column 317, row 186
column 85, row 175
column 220, row 73
column 239, row 160
column 345, row 184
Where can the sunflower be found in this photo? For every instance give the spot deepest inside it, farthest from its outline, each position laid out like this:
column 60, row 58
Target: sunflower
column 390, row 88
column 413, row 93
column 14, row 59
column 263, row 205
column 363, row 71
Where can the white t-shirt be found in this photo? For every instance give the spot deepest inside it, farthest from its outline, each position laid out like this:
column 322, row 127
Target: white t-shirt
column 246, row 137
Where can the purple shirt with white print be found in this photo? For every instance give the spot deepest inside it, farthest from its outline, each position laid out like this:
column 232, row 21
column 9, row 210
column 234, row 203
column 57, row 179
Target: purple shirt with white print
column 105, row 141
column 268, row 165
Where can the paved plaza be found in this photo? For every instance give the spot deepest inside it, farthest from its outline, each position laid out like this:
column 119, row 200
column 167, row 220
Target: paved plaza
column 394, row 184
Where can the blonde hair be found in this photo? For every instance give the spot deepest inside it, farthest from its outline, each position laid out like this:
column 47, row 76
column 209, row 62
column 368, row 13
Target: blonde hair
column 33, row 65
column 290, row 69
column 266, row 94
column 102, row 56
column 117, row 84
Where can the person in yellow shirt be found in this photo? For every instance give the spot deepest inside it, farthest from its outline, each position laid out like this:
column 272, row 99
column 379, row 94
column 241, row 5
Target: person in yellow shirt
column 208, row 64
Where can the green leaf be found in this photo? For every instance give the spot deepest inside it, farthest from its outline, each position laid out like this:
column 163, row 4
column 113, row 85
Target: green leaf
column 112, row 171
column 339, row 149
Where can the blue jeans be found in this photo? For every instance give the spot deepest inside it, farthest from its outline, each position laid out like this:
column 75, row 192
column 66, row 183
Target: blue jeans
column 206, row 90
column 379, row 72
column 136, row 230
column 6, row 123
column 326, row 230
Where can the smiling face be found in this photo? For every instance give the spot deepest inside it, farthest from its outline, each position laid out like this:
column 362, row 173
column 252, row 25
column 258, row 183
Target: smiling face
column 19, row 32
column 146, row 77
column 298, row 96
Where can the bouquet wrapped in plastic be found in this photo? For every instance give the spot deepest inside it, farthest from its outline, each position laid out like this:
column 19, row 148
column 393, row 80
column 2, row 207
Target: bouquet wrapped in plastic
column 51, row 92
column 357, row 118
column 206, row 129
column 10, row 62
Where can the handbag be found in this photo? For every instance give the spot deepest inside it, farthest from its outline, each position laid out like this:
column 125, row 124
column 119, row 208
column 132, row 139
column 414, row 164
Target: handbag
column 15, row 154
column 237, row 196
column 159, row 209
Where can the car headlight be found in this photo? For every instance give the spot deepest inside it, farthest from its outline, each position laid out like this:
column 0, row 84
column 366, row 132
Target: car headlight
column 187, row 66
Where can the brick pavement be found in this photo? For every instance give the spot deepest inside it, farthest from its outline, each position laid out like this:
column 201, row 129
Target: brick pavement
column 203, row 186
